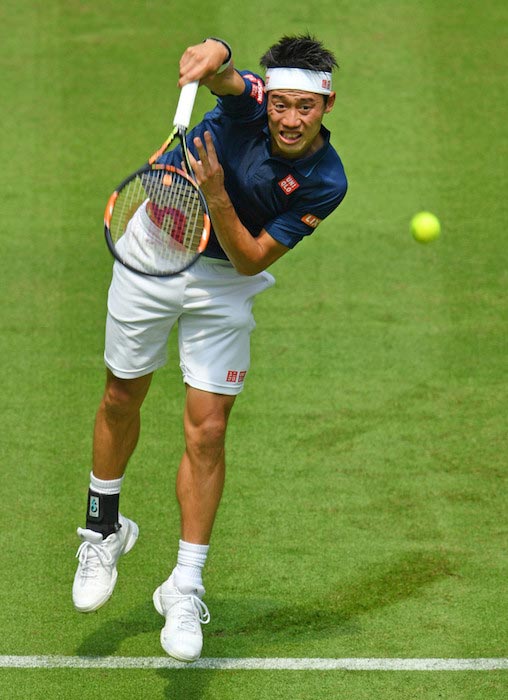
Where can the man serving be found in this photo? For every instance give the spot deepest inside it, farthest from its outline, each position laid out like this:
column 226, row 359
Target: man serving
column 264, row 162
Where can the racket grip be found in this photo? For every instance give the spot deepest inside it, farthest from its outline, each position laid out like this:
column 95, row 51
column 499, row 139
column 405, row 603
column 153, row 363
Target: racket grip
column 185, row 104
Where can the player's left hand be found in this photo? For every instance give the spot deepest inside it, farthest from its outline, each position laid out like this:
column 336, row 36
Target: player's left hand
column 208, row 171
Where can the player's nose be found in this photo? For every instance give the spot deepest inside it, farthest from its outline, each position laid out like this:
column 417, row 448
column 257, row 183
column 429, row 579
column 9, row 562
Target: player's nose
column 291, row 118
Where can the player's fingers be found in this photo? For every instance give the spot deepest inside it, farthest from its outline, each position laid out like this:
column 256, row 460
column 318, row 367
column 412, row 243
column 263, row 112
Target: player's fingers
column 197, row 169
column 210, row 146
column 202, row 151
column 211, row 153
column 189, row 76
column 196, row 63
column 193, row 161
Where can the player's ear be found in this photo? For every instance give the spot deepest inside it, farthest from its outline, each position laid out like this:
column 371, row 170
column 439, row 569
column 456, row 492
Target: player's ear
column 330, row 102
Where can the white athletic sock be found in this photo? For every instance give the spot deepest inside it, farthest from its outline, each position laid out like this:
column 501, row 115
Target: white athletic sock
column 108, row 487
column 190, row 563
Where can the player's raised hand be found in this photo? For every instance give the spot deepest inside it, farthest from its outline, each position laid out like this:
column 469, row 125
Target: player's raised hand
column 202, row 61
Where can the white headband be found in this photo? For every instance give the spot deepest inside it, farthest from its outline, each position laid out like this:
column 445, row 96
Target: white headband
column 298, row 79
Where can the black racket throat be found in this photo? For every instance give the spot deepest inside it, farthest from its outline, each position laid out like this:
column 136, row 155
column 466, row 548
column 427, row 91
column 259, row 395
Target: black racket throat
column 182, row 135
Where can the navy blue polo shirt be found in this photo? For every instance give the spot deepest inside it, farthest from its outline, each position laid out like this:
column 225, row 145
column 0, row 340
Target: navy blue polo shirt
column 286, row 197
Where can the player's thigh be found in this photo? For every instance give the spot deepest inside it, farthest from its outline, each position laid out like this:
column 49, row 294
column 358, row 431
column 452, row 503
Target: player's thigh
column 141, row 313
column 214, row 334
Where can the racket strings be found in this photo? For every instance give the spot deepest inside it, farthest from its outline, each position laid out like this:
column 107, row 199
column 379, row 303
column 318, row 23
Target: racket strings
column 175, row 207
column 158, row 221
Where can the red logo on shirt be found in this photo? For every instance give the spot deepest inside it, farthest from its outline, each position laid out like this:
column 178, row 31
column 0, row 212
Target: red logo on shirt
column 288, row 184
column 257, row 90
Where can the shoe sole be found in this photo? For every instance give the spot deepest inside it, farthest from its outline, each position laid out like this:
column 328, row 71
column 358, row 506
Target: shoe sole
column 158, row 606
column 130, row 541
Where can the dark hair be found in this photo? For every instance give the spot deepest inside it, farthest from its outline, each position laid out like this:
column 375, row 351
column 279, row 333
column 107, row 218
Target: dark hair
column 303, row 51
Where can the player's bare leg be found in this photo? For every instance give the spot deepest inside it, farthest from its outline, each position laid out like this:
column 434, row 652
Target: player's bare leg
column 199, row 487
column 117, row 424
column 200, row 479
column 108, row 534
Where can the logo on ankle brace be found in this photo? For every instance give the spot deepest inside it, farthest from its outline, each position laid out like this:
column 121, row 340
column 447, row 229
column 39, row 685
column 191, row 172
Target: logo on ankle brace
column 93, row 509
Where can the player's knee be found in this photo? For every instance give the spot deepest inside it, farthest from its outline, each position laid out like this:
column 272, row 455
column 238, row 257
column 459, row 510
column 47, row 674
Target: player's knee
column 123, row 397
column 208, row 436
column 212, row 431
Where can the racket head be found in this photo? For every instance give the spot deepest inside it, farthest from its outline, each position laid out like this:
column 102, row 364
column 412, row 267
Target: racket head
column 156, row 222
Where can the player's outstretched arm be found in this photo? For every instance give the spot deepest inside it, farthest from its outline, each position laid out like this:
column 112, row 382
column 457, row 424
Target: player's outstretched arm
column 210, row 62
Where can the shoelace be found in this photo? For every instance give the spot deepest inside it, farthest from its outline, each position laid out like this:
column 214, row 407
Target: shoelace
column 91, row 556
column 189, row 614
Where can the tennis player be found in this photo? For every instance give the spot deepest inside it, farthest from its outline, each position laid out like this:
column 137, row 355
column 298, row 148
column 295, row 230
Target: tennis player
column 270, row 175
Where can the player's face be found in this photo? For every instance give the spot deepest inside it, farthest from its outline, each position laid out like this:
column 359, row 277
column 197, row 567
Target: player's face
column 294, row 120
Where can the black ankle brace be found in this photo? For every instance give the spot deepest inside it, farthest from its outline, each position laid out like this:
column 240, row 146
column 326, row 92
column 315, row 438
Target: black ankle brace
column 102, row 513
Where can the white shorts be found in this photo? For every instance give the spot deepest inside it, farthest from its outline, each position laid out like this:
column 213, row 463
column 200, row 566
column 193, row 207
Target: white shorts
column 212, row 304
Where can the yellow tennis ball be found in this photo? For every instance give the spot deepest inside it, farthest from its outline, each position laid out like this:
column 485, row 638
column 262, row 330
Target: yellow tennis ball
column 425, row 227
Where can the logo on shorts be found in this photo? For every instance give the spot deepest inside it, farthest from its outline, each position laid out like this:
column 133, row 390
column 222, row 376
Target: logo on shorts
column 288, row 184
column 233, row 376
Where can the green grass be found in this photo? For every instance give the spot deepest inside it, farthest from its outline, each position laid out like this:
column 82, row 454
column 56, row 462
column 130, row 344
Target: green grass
column 280, row 685
column 365, row 506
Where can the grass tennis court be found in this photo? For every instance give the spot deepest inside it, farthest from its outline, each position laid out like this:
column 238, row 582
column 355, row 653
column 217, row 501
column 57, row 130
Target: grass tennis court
column 365, row 507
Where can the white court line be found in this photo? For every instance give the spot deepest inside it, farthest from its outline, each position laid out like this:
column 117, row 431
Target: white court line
column 253, row 664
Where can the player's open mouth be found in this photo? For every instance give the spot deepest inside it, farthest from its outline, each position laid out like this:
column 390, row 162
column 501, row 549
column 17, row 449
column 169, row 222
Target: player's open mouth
column 289, row 137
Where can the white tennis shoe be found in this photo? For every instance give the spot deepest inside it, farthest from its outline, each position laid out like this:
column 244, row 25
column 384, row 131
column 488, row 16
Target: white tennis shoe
column 96, row 575
column 185, row 612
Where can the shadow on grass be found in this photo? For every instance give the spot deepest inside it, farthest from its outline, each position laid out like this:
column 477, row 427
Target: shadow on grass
column 106, row 639
column 186, row 685
column 385, row 584
column 339, row 613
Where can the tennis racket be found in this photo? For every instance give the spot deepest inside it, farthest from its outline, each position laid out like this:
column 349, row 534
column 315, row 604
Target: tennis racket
column 156, row 221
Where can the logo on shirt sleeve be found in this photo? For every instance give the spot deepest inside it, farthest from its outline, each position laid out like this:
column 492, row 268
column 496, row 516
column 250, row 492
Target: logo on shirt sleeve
column 311, row 220
column 288, row 184
column 257, row 89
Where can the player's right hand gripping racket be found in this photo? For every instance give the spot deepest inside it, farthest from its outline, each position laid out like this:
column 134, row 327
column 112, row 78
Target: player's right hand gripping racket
column 156, row 221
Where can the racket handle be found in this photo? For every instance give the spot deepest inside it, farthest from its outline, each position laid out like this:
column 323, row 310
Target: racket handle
column 185, row 104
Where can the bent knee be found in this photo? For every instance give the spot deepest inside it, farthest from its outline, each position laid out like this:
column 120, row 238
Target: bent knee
column 208, row 434
column 125, row 395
